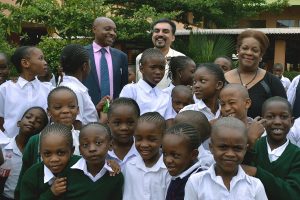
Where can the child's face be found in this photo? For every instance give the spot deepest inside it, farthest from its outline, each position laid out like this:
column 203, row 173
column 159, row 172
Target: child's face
column 122, row 123
column 32, row 122
column 180, row 100
column 224, row 64
column 63, row 107
column 278, row 122
column 94, row 145
column 4, row 71
column 278, row 71
column 228, row 148
column 187, row 74
column 233, row 104
column 153, row 70
column 176, row 153
column 131, row 75
column 37, row 63
column 56, row 152
column 205, row 84
column 148, row 139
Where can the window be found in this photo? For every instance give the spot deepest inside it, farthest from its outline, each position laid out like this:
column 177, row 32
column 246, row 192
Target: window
column 285, row 23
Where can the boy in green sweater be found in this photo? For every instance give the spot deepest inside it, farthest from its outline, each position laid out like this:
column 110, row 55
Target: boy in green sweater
column 276, row 161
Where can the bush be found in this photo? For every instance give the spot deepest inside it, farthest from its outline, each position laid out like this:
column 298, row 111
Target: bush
column 291, row 74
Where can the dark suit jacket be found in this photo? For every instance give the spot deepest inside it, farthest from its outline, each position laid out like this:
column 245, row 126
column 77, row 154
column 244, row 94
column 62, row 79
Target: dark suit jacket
column 120, row 74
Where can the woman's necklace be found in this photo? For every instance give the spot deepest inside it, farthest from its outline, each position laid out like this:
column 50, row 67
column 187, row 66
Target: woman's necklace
column 246, row 84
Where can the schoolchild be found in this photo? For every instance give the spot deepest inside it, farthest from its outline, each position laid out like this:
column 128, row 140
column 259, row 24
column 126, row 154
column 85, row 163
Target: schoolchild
column 122, row 118
column 27, row 92
column 32, row 122
column 145, row 92
column 275, row 160
column 4, row 70
column 226, row 179
column 146, row 176
column 180, row 151
column 224, row 62
column 131, row 74
column 207, row 84
column 278, row 70
column 181, row 96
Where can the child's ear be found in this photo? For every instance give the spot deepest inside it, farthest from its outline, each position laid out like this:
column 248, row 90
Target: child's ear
column 248, row 103
column 194, row 154
column 292, row 121
column 220, row 85
column 18, row 123
column 72, row 150
column 141, row 67
column 25, row 63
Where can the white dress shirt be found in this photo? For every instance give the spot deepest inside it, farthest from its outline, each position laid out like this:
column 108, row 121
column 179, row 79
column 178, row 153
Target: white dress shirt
column 87, row 110
column 81, row 165
column 149, row 99
column 16, row 98
column 201, row 106
column 207, row 185
column 194, row 168
column 291, row 92
column 48, row 176
column 169, row 89
column 205, row 157
column 276, row 153
column 285, row 82
column 166, row 80
column 145, row 183
column 294, row 134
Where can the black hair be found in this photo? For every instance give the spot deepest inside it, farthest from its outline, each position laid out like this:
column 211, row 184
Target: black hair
column 225, row 57
column 182, row 88
column 72, row 57
column 229, row 122
column 214, row 69
column 278, row 65
column 19, row 54
column 124, row 101
column 176, row 64
column 59, row 88
column 187, row 131
column 276, row 99
column 164, row 20
column 151, row 53
column 45, row 116
column 58, row 129
column 98, row 125
column 196, row 119
column 153, row 117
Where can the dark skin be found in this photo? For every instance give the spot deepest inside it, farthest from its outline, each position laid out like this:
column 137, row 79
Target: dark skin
column 121, row 149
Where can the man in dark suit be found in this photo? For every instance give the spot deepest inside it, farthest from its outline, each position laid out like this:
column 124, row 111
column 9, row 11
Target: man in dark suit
column 109, row 66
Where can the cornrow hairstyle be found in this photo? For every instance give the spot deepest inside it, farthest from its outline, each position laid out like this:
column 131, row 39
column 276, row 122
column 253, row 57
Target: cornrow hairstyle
column 72, row 58
column 164, row 20
column 153, row 117
column 151, row 53
column 229, row 122
column 96, row 125
column 57, row 129
column 277, row 99
column 19, row 54
column 45, row 116
column 177, row 64
column 126, row 102
column 59, row 88
column 187, row 131
column 215, row 70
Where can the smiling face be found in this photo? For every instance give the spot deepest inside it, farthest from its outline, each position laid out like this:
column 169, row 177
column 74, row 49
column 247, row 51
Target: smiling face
column 153, row 70
column 162, row 36
column 55, row 152
column 32, row 122
column 105, row 31
column 4, row 71
column 228, row 147
column 278, row 122
column 148, row 139
column 249, row 53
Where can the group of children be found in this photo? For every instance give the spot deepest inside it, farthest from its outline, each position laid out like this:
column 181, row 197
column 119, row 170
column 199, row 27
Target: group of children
column 192, row 140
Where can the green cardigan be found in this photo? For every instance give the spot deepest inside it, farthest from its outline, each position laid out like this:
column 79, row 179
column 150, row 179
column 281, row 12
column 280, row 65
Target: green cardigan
column 280, row 178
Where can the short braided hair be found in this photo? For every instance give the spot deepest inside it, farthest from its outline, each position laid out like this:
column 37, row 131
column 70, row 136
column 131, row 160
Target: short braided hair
column 177, row 64
column 153, row 117
column 19, row 54
column 59, row 88
column 124, row 101
column 98, row 125
column 151, row 53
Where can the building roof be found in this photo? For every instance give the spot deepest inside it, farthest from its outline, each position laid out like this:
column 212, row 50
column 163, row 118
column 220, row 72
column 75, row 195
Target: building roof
column 238, row 31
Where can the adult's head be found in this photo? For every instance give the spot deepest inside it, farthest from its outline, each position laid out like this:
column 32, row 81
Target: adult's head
column 163, row 33
column 105, row 31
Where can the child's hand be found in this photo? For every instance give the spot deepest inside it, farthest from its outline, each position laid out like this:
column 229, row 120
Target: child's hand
column 102, row 102
column 59, row 186
column 255, row 130
column 114, row 166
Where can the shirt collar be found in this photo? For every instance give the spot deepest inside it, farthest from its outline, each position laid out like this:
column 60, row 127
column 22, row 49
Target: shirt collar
column 139, row 163
column 201, row 105
column 188, row 171
column 277, row 151
column 146, row 87
column 97, row 47
column 131, row 153
column 48, row 176
column 79, row 85
column 12, row 145
column 22, row 82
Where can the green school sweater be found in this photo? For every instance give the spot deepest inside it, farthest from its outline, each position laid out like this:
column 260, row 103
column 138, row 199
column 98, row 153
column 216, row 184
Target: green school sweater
column 280, row 178
column 33, row 186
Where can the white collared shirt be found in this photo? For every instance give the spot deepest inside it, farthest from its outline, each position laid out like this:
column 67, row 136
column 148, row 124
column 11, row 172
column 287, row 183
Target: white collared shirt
column 207, row 185
column 166, row 80
column 145, row 183
column 276, row 153
column 200, row 106
column 16, row 98
column 183, row 174
column 149, row 99
column 205, row 157
column 285, row 82
column 81, row 165
column 294, row 134
column 75, row 136
column 291, row 92
column 48, row 176
column 12, row 166
column 131, row 154
column 87, row 110
column 169, row 89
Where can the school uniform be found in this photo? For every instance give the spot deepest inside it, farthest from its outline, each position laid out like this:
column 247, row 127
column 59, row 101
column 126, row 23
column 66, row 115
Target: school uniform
column 145, row 183
column 177, row 184
column 131, row 154
column 87, row 109
column 83, row 185
column 149, row 99
column 11, row 167
column 207, row 185
column 16, row 98
column 205, row 157
column 201, row 106
column 285, row 82
column 294, row 133
column 169, row 89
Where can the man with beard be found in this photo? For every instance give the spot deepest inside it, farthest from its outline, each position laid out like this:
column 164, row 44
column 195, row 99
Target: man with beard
column 109, row 66
column 163, row 35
